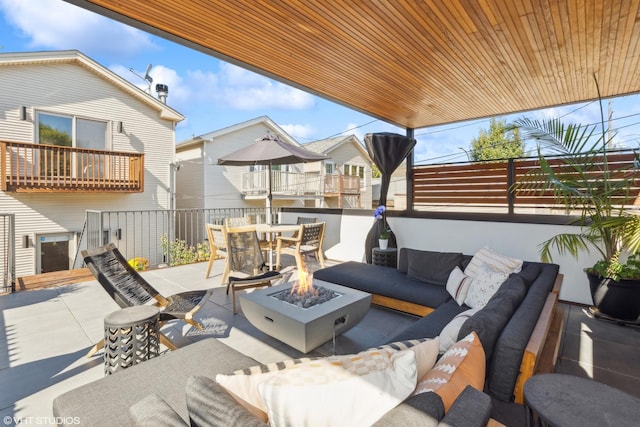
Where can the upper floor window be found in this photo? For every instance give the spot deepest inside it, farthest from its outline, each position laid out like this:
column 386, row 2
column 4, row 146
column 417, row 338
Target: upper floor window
column 71, row 131
column 328, row 168
column 354, row 170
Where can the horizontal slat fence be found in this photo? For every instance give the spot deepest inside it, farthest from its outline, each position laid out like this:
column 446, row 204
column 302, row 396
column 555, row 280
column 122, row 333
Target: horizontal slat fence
column 490, row 183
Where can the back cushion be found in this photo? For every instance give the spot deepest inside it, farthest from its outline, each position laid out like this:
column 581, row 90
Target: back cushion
column 431, row 267
column 403, row 260
column 489, row 322
column 529, row 273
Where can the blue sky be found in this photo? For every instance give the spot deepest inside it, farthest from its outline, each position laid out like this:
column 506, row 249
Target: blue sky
column 212, row 94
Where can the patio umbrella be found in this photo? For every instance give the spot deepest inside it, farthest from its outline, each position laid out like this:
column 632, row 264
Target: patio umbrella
column 270, row 150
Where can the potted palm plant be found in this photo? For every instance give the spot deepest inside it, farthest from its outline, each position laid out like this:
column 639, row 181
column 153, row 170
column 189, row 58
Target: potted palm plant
column 599, row 194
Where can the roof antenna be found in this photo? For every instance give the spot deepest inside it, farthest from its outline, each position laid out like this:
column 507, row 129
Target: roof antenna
column 146, row 77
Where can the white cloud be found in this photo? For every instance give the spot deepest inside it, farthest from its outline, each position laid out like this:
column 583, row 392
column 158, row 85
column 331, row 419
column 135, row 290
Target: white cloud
column 299, row 132
column 54, row 24
column 244, row 90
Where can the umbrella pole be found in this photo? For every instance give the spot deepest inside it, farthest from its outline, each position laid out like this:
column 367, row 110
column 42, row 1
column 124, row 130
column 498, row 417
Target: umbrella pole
column 269, row 195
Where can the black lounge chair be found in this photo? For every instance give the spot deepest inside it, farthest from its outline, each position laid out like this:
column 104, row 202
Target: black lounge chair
column 127, row 288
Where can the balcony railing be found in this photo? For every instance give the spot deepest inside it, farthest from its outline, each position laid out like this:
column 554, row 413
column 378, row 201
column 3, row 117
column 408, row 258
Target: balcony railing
column 336, row 185
column 299, row 184
column 26, row 167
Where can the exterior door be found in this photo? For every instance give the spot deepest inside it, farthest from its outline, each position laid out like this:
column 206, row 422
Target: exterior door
column 54, row 252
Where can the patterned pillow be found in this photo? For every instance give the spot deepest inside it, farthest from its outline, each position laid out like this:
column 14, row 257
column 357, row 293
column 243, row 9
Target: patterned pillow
column 449, row 334
column 494, row 260
column 458, row 285
column 462, row 365
column 484, row 285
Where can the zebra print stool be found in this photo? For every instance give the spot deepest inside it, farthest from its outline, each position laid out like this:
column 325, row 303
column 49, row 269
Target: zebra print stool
column 131, row 335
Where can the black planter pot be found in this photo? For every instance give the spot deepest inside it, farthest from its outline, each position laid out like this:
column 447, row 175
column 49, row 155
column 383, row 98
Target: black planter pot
column 618, row 300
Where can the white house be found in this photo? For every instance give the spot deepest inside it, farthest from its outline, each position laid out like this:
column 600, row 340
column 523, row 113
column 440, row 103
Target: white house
column 75, row 136
column 203, row 184
column 348, row 159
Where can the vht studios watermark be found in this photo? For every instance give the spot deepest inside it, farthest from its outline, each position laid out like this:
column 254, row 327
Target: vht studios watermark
column 35, row 421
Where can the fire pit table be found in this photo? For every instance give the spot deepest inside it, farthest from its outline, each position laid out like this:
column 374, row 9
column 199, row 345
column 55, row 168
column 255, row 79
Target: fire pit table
column 305, row 328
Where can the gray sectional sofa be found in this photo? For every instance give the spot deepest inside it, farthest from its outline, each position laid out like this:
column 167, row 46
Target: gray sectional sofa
column 177, row 389
column 505, row 325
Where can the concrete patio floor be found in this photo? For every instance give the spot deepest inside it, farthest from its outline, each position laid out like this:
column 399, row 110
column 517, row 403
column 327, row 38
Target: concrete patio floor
column 45, row 335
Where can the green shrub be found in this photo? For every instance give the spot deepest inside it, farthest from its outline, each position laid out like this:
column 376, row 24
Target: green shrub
column 178, row 252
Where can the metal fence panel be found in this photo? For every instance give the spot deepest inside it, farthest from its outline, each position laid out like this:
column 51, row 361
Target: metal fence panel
column 7, row 252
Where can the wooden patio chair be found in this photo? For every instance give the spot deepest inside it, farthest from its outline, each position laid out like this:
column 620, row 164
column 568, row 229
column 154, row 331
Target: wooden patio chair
column 304, row 220
column 245, row 256
column 307, row 241
column 217, row 235
column 128, row 289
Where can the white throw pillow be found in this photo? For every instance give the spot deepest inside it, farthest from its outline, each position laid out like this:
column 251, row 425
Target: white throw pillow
column 458, row 285
column 449, row 334
column 485, row 283
column 321, row 393
column 246, row 388
column 494, row 260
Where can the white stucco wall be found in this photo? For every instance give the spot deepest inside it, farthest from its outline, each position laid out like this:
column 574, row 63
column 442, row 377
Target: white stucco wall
column 345, row 236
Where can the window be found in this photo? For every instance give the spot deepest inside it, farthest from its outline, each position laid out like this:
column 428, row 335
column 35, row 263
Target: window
column 70, row 131
column 354, row 170
column 328, row 168
column 59, row 130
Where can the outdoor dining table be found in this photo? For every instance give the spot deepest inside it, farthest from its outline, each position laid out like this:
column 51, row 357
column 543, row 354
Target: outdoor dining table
column 272, row 231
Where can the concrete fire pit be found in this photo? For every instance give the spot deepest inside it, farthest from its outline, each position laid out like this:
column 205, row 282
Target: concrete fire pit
column 305, row 328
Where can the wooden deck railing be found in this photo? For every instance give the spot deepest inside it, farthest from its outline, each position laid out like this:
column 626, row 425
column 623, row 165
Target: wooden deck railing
column 26, row 167
column 341, row 184
column 490, row 183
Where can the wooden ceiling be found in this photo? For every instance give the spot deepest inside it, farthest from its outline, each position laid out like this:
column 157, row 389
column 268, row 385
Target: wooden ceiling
column 414, row 63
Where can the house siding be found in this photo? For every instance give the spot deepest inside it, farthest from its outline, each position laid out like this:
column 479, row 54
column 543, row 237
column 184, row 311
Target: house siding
column 349, row 154
column 190, row 178
column 72, row 89
column 221, row 184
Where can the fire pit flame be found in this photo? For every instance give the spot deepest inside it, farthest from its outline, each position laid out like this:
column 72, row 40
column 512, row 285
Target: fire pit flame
column 304, row 284
column 303, row 294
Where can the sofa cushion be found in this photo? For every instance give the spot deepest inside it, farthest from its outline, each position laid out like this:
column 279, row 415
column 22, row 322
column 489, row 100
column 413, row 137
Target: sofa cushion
column 403, row 260
column 504, row 366
column 210, row 405
column 431, row 267
column 496, row 261
column 462, row 365
column 450, row 333
column 471, row 409
column 489, row 322
column 420, row 410
column 385, row 281
column 431, row 326
column 458, row 285
column 529, row 273
column 484, row 285
column 154, row 411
